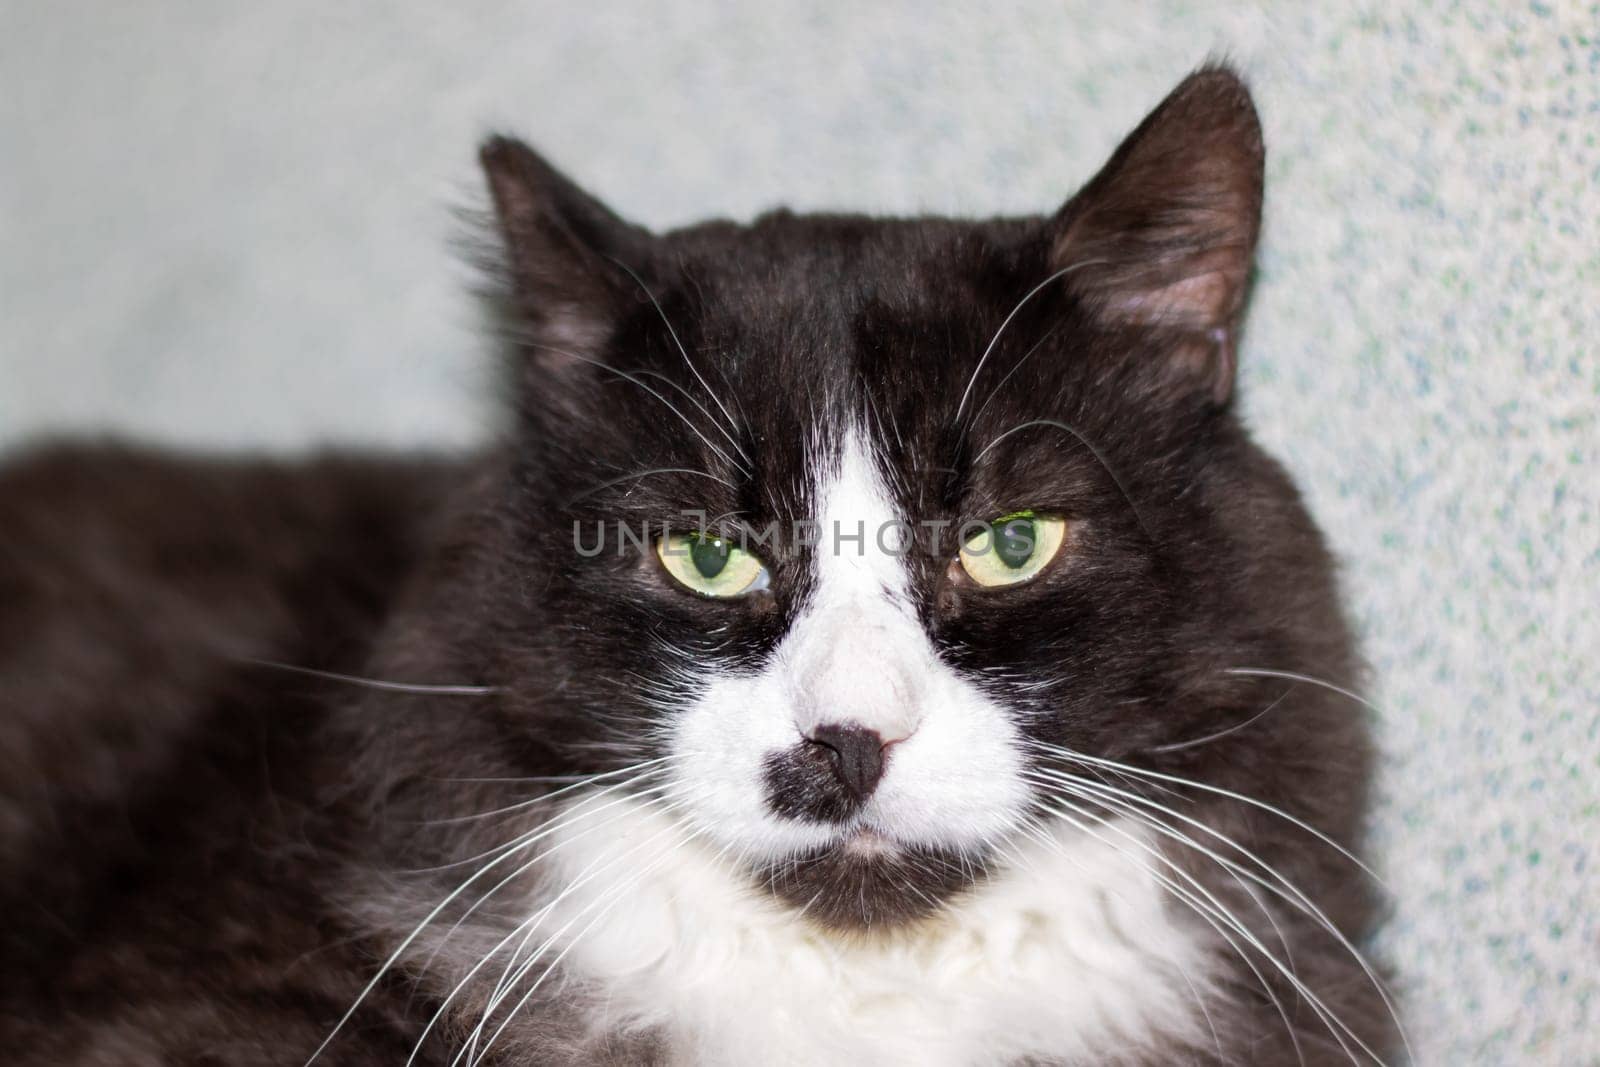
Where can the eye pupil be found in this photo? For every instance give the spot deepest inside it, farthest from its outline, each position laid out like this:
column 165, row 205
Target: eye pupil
column 1014, row 541
column 709, row 555
column 1011, row 549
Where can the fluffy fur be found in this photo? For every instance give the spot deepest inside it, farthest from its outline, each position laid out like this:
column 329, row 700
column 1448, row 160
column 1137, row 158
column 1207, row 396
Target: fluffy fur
column 369, row 759
column 1071, row 957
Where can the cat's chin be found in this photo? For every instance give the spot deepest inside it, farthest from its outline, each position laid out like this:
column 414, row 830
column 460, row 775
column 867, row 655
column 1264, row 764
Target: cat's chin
column 866, row 883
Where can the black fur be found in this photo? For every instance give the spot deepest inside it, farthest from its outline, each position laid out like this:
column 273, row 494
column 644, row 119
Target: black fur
column 205, row 858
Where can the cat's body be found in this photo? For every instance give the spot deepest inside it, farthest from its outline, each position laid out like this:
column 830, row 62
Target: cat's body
column 157, row 811
column 865, row 807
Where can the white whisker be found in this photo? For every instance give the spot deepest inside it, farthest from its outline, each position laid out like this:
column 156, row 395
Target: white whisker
column 1220, row 734
column 1095, row 794
column 581, row 783
column 1035, row 291
column 1010, row 373
column 527, row 924
column 592, row 490
column 374, row 683
column 683, row 351
column 1086, row 443
column 541, row 857
column 506, row 851
column 626, row 376
column 1290, row 893
column 1291, row 676
column 1211, row 917
column 537, row 832
column 504, row 988
column 1261, row 805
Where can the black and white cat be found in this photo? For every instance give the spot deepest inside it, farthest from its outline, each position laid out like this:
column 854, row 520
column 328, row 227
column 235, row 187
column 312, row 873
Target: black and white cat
column 874, row 641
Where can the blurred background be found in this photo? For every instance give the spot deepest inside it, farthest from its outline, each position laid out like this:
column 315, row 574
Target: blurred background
column 234, row 225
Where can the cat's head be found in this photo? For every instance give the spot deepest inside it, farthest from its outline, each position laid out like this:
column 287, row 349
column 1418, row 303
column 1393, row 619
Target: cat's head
column 851, row 523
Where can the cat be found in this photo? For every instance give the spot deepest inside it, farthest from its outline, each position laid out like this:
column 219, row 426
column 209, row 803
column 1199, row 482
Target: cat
column 871, row 641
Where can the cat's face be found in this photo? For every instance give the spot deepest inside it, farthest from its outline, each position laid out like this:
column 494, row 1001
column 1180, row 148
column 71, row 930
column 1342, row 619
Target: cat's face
column 933, row 495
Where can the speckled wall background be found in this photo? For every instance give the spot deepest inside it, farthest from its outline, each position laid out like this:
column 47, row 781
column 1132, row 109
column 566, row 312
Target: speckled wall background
column 229, row 223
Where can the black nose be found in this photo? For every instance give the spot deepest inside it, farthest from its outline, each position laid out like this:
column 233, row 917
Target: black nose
column 856, row 754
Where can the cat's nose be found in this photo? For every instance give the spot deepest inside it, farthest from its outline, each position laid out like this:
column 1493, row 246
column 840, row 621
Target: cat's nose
column 849, row 670
column 855, row 753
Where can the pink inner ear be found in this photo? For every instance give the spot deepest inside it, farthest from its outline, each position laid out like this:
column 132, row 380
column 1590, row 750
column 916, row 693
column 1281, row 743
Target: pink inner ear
column 572, row 330
column 1199, row 301
column 1201, row 305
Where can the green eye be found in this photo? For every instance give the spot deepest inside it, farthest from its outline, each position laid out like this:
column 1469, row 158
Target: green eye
column 710, row 566
column 1013, row 548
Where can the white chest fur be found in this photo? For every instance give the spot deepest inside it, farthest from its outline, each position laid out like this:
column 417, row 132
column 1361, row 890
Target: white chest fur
column 1069, row 954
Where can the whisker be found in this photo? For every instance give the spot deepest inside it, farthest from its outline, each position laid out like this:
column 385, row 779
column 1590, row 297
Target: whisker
column 666, row 805
column 967, row 392
column 535, row 861
column 1262, row 805
column 1010, row 373
column 696, row 402
column 645, row 474
column 541, row 830
column 373, row 683
column 1290, row 892
column 617, row 894
column 625, row 376
column 1099, row 795
column 682, row 351
column 1087, row 792
column 617, row 891
column 1291, row 676
column 506, row 851
column 1035, row 829
column 1101, row 459
column 1287, row 971
column 1220, row 734
column 580, row 783
column 400, row 950
column 527, row 923
column 1211, row 917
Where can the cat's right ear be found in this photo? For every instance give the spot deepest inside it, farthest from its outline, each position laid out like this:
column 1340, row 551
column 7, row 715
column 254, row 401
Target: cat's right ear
column 568, row 256
column 1163, row 237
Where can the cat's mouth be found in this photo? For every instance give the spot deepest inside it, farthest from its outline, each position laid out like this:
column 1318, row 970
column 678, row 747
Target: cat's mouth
column 866, row 880
column 856, row 874
column 867, row 843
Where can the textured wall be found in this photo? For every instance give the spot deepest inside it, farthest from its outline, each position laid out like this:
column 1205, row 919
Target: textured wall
column 230, row 223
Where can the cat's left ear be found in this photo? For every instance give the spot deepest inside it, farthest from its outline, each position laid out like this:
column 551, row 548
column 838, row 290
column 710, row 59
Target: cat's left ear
column 1164, row 235
column 568, row 255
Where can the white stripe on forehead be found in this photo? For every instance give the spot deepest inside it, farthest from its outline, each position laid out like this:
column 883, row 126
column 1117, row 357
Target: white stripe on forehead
column 858, row 652
column 859, row 530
